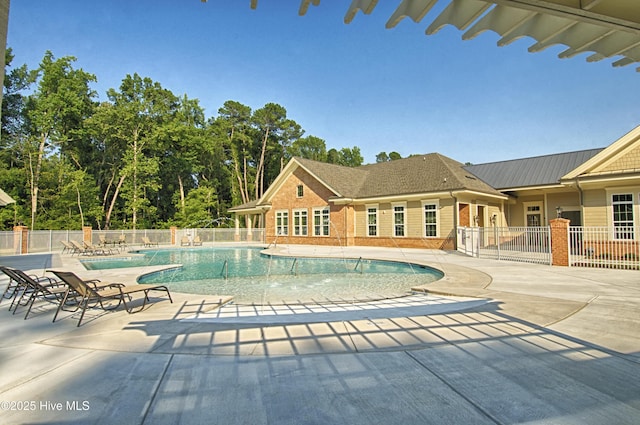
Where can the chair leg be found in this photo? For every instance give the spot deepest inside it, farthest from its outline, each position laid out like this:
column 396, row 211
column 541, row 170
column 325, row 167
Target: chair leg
column 61, row 305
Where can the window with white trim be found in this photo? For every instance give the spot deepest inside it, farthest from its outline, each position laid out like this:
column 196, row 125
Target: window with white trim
column 321, row 221
column 282, row 222
column 300, row 191
column 300, row 222
column 399, row 220
column 372, row 221
column 430, row 220
column 622, row 205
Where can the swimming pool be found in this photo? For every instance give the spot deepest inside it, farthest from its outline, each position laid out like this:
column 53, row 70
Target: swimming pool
column 251, row 276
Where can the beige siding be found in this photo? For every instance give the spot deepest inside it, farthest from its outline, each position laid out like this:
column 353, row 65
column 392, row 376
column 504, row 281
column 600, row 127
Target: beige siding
column 595, row 209
column 628, row 161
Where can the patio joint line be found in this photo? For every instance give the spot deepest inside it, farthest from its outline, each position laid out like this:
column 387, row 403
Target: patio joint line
column 455, row 390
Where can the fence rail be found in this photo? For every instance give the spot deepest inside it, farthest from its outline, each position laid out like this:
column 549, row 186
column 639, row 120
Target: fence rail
column 603, row 247
column 524, row 244
column 39, row 241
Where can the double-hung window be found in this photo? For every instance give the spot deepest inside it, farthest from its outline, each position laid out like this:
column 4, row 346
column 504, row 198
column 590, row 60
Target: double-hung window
column 321, row 221
column 282, row 222
column 399, row 220
column 300, row 222
column 430, row 220
column 622, row 205
column 372, row 221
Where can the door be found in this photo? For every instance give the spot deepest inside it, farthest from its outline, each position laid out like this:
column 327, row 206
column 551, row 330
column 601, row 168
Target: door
column 533, row 214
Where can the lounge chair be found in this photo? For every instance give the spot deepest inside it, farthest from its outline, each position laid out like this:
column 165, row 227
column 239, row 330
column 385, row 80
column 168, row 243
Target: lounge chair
column 147, row 242
column 185, row 241
column 68, row 247
column 197, row 241
column 79, row 248
column 29, row 289
column 16, row 285
column 114, row 292
column 96, row 250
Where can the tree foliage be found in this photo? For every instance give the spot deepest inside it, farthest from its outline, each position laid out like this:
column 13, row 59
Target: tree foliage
column 144, row 157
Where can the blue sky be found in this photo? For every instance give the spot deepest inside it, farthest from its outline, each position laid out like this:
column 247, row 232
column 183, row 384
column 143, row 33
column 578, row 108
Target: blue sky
column 351, row 85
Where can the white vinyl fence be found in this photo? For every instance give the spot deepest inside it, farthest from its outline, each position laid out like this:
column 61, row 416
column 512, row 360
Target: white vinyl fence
column 525, row 244
column 40, row 241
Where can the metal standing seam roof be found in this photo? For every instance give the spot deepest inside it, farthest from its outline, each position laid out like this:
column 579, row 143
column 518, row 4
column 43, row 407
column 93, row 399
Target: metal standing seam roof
column 607, row 28
column 528, row 172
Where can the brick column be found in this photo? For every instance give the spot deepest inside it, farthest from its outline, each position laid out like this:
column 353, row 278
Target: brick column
column 559, row 241
column 87, row 234
column 173, row 230
column 21, row 239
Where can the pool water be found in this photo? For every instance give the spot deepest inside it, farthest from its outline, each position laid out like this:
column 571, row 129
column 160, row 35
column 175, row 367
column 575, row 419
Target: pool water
column 253, row 277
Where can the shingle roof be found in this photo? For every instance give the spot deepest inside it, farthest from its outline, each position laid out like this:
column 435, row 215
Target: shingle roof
column 535, row 171
column 417, row 174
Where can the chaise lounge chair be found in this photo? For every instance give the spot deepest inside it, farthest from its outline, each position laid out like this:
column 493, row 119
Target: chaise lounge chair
column 197, row 241
column 114, row 292
column 147, row 242
column 96, row 250
column 29, row 288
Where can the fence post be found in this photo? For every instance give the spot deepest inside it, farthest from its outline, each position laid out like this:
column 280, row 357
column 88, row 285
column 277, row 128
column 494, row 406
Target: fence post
column 173, row 230
column 87, row 234
column 21, row 239
column 559, row 241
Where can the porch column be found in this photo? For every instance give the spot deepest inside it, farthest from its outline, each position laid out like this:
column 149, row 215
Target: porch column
column 559, row 241
column 236, row 235
column 249, row 229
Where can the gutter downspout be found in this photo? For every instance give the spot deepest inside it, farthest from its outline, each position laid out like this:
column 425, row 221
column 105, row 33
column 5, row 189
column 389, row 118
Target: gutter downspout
column 581, row 195
column 455, row 220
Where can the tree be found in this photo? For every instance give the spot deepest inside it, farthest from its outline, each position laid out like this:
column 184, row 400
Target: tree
column 234, row 122
column 309, row 147
column 382, row 157
column 272, row 123
column 54, row 112
column 133, row 122
column 350, row 157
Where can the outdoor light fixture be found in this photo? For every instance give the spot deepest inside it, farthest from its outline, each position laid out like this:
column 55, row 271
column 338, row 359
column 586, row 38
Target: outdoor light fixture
column 559, row 212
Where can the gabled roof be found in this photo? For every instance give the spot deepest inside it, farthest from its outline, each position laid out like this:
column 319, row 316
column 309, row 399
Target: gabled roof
column 530, row 172
column 611, row 159
column 420, row 174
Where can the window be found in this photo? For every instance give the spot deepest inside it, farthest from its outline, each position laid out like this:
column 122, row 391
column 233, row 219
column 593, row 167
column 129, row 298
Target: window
column 398, row 220
column 300, row 191
column 533, row 214
column 430, row 220
column 622, row 216
column 282, row 222
column 372, row 221
column 300, row 222
column 321, row 221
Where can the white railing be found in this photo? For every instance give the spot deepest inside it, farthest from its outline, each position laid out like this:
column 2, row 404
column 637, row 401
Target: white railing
column 40, row 241
column 525, row 244
column 603, row 247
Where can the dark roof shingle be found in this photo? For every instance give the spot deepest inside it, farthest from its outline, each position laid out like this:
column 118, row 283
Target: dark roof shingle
column 417, row 174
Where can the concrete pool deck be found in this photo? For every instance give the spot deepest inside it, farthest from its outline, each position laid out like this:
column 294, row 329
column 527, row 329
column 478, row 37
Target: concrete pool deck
column 517, row 343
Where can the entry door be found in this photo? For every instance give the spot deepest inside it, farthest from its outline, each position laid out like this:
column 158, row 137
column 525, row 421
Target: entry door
column 533, row 214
